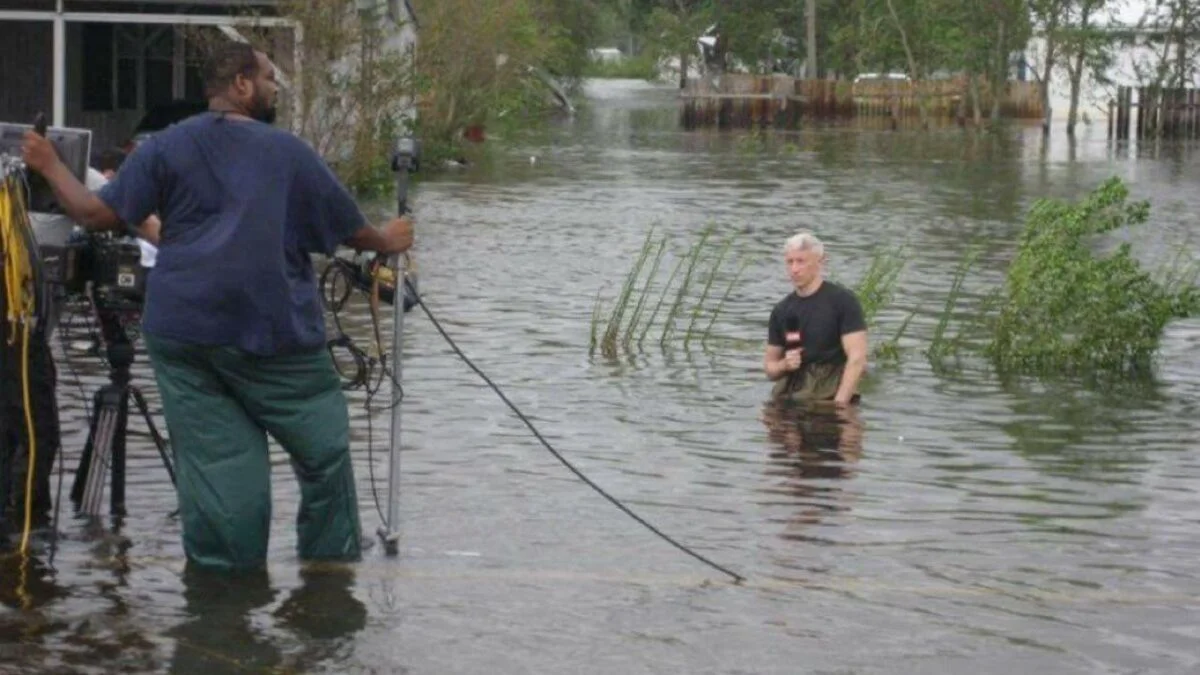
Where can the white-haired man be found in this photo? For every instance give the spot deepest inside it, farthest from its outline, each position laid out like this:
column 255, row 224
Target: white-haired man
column 816, row 336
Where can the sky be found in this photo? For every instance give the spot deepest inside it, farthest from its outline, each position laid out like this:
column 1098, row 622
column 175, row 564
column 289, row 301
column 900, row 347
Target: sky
column 1130, row 11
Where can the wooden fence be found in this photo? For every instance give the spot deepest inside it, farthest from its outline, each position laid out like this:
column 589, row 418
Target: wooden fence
column 1161, row 113
column 739, row 101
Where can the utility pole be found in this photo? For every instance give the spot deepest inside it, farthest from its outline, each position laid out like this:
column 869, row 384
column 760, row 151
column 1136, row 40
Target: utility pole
column 810, row 63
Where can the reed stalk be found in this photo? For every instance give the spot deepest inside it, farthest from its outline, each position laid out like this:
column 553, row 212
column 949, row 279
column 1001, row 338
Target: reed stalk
column 692, row 259
column 712, row 277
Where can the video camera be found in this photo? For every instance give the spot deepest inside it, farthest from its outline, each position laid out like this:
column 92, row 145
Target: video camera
column 71, row 256
column 113, row 265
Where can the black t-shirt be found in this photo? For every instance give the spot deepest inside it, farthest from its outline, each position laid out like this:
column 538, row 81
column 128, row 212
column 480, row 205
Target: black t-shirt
column 821, row 319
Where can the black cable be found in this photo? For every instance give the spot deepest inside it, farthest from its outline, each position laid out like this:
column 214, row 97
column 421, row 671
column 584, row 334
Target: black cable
column 364, row 365
column 62, row 460
column 579, row 474
column 87, row 411
column 371, row 464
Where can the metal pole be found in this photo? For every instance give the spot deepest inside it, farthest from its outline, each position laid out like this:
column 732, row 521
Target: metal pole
column 404, row 38
column 60, row 67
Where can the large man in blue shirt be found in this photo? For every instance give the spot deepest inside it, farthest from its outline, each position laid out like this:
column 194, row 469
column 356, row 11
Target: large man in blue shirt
column 233, row 322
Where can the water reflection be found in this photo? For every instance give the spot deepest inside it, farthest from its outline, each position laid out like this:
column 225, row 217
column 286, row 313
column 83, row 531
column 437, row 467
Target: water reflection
column 220, row 631
column 1065, row 426
column 811, row 446
column 26, row 584
column 226, row 628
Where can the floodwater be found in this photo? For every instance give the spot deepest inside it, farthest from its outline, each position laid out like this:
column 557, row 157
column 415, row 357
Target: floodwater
column 960, row 523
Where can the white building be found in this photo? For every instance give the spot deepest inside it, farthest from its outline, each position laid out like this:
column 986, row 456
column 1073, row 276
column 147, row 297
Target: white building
column 1131, row 62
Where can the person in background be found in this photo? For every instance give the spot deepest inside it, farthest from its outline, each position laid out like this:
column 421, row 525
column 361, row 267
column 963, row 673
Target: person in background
column 816, row 335
column 107, row 166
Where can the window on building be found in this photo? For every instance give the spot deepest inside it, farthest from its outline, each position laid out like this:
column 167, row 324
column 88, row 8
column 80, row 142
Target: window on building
column 97, row 73
column 133, row 67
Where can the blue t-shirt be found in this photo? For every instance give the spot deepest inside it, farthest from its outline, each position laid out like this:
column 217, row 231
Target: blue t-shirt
column 242, row 204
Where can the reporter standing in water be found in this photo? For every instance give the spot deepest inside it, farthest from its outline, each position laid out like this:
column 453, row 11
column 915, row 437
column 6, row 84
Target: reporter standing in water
column 233, row 321
column 816, row 336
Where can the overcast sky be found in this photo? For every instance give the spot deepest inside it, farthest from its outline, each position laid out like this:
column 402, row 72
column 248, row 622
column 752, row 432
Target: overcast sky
column 1130, row 11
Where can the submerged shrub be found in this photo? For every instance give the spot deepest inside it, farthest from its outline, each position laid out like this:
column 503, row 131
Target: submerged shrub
column 1064, row 308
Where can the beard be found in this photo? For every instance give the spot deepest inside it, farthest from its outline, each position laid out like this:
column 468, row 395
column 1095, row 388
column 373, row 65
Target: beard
column 263, row 110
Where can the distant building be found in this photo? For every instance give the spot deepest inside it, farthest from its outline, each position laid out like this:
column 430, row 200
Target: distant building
column 1136, row 53
column 105, row 70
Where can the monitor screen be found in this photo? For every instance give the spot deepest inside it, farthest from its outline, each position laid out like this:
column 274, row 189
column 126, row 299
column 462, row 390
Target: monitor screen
column 74, row 148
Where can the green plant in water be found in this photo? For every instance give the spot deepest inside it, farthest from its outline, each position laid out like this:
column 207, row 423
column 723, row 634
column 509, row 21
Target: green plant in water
column 1065, row 309
column 888, row 351
column 941, row 346
column 627, row 323
column 692, row 259
column 712, row 277
column 612, row 330
column 721, row 303
column 877, row 286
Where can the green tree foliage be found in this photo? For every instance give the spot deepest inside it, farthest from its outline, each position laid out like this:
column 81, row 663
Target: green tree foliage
column 1066, row 308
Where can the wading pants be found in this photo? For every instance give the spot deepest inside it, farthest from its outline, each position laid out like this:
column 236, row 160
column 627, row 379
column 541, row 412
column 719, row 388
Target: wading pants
column 220, row 403
column 14, row 430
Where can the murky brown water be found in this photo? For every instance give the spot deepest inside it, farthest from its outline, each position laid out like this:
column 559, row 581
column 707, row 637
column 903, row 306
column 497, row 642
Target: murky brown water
column 969, row 524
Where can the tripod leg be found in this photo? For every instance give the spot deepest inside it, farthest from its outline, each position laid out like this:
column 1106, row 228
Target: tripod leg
column 85, row 461
column 159, row 442
column 118, row 454
column 92, row 495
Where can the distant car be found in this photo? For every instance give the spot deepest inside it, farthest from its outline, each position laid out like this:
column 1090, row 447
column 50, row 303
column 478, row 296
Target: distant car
column 881, row 77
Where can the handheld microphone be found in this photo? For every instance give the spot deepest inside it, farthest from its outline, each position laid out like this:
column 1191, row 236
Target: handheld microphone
column 793, row 337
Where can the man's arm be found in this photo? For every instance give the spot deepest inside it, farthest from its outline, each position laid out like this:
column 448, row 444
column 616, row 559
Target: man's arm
column 335, row 219
column 773, row 363
column 855, row 346
column 778, row 363
column 394, row 237
column 80, row 204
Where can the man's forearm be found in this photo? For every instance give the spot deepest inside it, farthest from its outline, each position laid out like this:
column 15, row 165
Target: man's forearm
column 773, row 369
column 380, row 240
column 851, row 374
column 776, row 368
column 78, row 202
column 367, row 238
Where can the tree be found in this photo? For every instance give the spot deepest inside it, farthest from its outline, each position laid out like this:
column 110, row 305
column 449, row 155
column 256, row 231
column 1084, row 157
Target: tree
column 1172, row 27
column 1087, row 49
column 1048, row 18
column 810, row 39
column 673, row 28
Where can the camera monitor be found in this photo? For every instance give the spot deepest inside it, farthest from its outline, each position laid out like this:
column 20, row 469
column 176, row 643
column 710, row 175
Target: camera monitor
column 74, row 147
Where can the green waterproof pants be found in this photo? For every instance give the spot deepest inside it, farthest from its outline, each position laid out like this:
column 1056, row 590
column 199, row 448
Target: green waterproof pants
column 220, row 403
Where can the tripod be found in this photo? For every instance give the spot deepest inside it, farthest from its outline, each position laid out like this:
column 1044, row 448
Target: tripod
column 105, row 446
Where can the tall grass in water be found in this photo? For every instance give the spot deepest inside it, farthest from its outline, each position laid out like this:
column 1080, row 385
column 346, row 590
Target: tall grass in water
column 612, row 331
column 635, row 313
column 877, row 286
column 940, row 346
column 684, row 286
